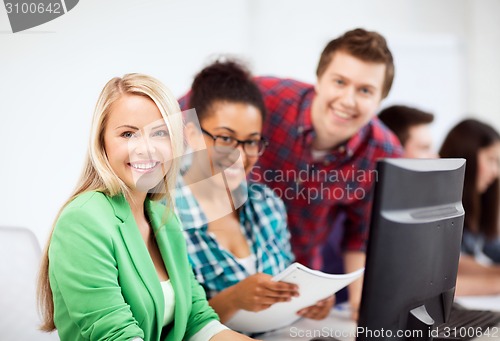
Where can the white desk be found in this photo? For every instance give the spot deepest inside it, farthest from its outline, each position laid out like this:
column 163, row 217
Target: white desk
column 480, row 302
column 339, row 325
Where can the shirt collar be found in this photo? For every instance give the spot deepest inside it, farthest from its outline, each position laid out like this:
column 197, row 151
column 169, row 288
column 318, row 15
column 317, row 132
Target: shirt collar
column 189, row 209
column 306, row 128
column 356, row 141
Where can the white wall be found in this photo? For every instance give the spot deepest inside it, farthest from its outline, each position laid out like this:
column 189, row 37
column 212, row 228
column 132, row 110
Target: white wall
column 483, row 74
column 446, row 55
column 427, row 38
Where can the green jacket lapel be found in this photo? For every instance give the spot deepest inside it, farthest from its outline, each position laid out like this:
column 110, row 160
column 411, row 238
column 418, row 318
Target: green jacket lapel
column 139, row 255
column 172, row 247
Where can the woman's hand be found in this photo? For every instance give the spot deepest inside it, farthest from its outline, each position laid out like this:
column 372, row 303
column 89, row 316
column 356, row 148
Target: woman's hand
column 259, row 292
column 318, row 311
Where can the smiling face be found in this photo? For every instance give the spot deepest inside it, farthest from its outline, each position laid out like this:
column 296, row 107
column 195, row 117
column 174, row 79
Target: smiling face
column 227, row 120
column 488, row 164
column 348, row 94
column 137, row 143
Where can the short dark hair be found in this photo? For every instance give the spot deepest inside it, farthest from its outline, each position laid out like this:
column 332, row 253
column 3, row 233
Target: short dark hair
column 227, row 80
column 400, row 119
column 368, row 46
column 465, row 140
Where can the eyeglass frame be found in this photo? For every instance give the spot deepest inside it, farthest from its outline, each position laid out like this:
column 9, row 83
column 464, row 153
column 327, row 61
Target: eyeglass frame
column 262, row 139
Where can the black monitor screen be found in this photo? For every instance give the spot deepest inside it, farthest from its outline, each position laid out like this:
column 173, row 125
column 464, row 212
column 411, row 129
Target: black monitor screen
column 413, row 249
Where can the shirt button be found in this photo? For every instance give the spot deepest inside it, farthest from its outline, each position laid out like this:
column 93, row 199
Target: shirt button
column 326, row 163
column 342, row 149
column 300, row 129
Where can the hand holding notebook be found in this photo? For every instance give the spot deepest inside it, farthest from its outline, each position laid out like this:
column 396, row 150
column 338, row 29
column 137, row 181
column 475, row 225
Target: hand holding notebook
column 313, row 286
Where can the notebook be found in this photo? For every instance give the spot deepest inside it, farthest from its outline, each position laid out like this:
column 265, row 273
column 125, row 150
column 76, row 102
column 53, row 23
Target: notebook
column 313, row 286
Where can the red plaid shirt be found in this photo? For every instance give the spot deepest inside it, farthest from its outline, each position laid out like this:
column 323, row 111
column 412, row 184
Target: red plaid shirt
column 316, row 191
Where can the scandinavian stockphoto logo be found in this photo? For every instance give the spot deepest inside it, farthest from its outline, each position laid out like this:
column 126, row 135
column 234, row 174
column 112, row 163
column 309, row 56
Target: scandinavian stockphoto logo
column 25, row 14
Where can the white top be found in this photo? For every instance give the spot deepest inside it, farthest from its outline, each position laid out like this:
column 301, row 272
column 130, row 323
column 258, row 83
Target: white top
column 205, row 333
column 169, row 298
column 249, row 263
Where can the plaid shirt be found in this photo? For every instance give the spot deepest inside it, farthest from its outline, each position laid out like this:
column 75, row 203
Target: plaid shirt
column 263, row 223
column 315, row 192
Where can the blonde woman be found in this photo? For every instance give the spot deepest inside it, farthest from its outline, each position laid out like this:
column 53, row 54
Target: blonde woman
column 116, row 267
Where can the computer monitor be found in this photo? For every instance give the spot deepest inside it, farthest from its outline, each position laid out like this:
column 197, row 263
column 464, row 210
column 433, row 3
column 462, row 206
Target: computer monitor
column 413, row 249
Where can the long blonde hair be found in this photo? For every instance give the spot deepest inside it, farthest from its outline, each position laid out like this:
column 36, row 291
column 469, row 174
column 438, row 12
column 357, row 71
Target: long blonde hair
column 97, row 173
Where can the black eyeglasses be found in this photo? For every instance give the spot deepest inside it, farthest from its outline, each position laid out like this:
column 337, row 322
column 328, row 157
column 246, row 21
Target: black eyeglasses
column 226, row 144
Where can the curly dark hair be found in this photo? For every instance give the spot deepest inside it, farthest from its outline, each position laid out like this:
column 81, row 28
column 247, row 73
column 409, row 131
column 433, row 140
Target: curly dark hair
column 224, row 81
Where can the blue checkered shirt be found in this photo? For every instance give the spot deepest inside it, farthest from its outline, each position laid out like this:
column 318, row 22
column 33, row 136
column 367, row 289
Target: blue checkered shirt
column 263, row 223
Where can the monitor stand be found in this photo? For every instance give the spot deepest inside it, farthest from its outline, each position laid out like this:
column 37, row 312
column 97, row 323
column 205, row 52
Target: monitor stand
column 421, row 324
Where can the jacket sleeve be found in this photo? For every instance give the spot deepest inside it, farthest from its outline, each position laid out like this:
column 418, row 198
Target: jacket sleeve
column 201, row 313
column 84, row 279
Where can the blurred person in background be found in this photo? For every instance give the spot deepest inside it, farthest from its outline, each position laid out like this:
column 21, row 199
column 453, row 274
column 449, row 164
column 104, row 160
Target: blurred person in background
column 479, row 266
column 412, row 127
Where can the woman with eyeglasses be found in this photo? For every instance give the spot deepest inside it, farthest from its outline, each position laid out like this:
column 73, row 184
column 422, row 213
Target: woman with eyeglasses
column 236, row 230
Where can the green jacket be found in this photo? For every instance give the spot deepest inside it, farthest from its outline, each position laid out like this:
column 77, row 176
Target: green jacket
column 104, row 283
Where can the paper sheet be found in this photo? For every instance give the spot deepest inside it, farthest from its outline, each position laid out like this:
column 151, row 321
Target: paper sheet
column 313, row 286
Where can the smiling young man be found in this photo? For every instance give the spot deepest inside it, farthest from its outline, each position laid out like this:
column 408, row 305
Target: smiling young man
column 324, row 143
